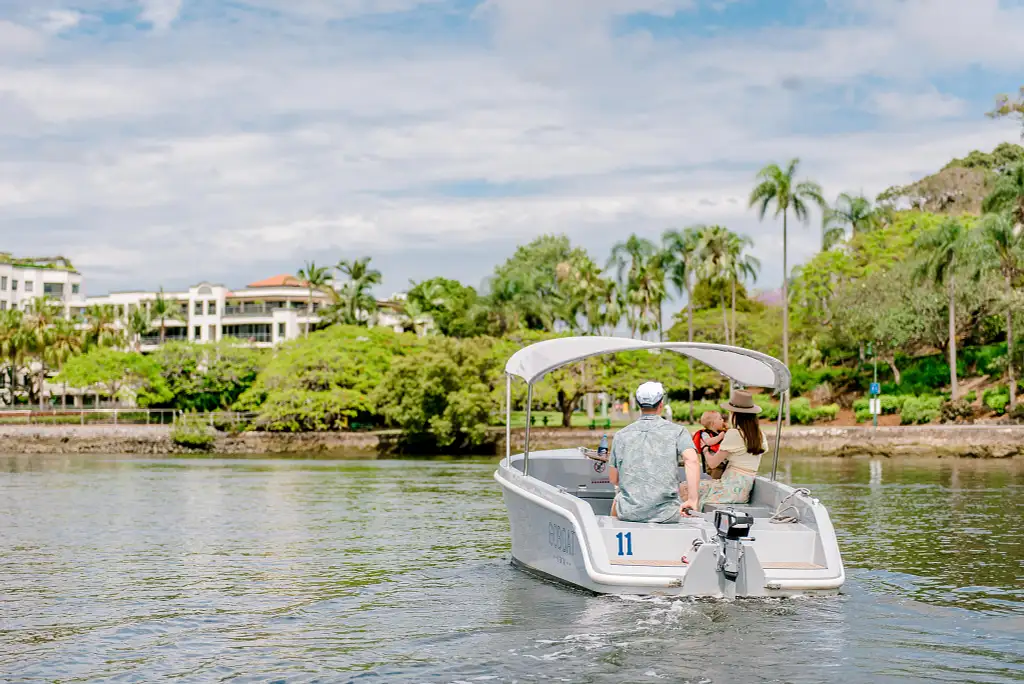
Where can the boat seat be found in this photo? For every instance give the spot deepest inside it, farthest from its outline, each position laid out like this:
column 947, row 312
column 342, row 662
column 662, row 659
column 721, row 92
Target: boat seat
column 751, row 510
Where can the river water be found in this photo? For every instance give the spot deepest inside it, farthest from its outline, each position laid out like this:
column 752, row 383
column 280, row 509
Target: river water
column 118, row 569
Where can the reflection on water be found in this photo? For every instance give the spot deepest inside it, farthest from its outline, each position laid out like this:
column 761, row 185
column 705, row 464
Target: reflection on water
column 313, row 570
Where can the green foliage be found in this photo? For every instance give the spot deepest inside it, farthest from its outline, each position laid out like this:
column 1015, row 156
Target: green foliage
column 920, row 410
column 863, row 415
column 997, row 399
column 443, row 397
column 189, row 432
column 323, row 381
column 1003, row 156
column 455, row 308
column 118, row 374
column 207, row 377
column 1017, row 413
column 956, row 411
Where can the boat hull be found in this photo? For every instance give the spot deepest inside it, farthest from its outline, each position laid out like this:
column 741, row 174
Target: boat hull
column 557, row 535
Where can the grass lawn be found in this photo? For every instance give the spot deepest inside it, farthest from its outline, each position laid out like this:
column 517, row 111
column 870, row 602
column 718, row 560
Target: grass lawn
column 579, row 420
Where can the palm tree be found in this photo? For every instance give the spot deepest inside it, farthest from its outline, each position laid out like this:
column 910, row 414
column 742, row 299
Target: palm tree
column 14, row 346
column 941, row 251
column 714, row 265
column 102, row 329
column 738, row 267
column 1008, row 195
column 1003, row 244
column 778, row 187
column 159, row 311
column 138, row 323
column 316, row 278
column 854, row 211
column 356, row 295
column 413, row 318
column 681, row 254
column 630, row 260
column 37, row 326
column 65, row 341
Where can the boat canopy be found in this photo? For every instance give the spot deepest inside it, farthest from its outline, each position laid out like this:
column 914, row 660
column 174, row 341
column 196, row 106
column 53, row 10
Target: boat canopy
column 745, row 366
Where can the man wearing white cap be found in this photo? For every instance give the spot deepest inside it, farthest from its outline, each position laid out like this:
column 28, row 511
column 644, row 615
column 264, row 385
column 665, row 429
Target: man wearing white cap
column 645, row 464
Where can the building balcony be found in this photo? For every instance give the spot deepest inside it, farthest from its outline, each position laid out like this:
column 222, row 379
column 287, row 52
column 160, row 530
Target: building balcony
column 252, row 310
column 257, row 337
column 154, row 340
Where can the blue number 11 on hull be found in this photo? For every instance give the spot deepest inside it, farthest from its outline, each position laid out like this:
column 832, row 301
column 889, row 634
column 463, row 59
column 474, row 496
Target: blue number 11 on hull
column 628, row 536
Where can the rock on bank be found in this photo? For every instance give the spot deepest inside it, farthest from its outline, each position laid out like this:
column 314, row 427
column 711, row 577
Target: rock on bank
column 966, row 441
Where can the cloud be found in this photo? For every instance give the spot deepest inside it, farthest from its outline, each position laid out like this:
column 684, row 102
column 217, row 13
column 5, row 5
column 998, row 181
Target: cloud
column 160, row 14
column 58, row 21
column 245, row 141
column 18, row 39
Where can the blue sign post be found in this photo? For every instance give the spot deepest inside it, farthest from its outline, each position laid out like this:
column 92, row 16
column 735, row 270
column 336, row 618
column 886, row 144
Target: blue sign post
column 876, row 389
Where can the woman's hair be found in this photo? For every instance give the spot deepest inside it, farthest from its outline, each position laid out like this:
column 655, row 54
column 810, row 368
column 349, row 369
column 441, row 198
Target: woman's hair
column 750, row 429
column 707, row 418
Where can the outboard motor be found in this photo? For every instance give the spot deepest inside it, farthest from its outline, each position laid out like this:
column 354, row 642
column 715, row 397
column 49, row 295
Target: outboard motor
column 732, row 528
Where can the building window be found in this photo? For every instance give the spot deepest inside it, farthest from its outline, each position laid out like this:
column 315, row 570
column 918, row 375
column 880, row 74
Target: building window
column 29, row 286
column 75, row 287
column 197, row 333
column 198, row 308
column 211, row 308
column 213, row 334
column 14, row 286
column 280, row 331
column 53, row 290
column 3, row 283
column 120, row 310
column 3, row 305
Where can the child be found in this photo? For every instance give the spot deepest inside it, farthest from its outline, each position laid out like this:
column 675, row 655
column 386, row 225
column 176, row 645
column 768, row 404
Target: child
column 709, row 440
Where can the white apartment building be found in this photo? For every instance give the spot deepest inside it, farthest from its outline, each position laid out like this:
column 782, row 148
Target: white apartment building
column 263, row 313
column 23, row 280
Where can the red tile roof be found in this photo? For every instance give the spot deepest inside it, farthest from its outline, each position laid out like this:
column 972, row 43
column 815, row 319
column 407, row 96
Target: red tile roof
column 283, row 280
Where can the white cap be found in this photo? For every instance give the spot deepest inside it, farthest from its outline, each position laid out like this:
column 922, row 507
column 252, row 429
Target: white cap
column 650, row 394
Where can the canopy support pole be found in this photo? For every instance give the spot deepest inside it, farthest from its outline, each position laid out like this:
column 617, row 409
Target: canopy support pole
column 526, row 443
column 783, row 400
column 508, row 420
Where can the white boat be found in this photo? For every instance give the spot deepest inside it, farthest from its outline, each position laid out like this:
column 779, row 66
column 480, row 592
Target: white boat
column 781, row 543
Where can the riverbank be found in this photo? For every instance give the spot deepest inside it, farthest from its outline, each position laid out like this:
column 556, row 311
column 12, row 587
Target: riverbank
column 943, row 441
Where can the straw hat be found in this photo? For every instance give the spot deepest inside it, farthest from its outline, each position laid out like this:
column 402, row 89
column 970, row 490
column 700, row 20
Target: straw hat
column 741, row 401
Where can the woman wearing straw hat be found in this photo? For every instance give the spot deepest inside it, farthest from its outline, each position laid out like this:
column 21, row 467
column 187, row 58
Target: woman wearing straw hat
column 742, row 446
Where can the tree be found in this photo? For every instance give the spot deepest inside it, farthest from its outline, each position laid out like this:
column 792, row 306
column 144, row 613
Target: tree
column 14, row 347
column 116, row 372
column 159, row 311
column 1008, row 195
column 207, row 377
column 853, row 211
column 588, row 294
column 324, row 381
column 681, row 255
column 443, row 397
column 1003, row 246
column 413, row 317
column 101, row 326
column 638, row 270
column 1008, row 107
column 940, row 252
column 65, row 343
column 138, row 323
column 526, row 291
column 454, row 308
column 778, row 187
column 713, row 266
column 316, row 278
column 358, row 302
column 739, row 266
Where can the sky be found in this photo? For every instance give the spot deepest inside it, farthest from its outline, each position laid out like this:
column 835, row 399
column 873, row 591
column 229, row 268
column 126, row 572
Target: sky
column 168, row 142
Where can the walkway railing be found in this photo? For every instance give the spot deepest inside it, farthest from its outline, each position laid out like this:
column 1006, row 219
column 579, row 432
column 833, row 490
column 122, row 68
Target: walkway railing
column 120, row 416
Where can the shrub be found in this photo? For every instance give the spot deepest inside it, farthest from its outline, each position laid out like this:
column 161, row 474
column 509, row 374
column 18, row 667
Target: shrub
column 920, row 410
column 862, row 404
column 956, row 411
column 828, row 412
column 190, row 433
column 863, row 415
column 971, row 397
column 996, row 399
